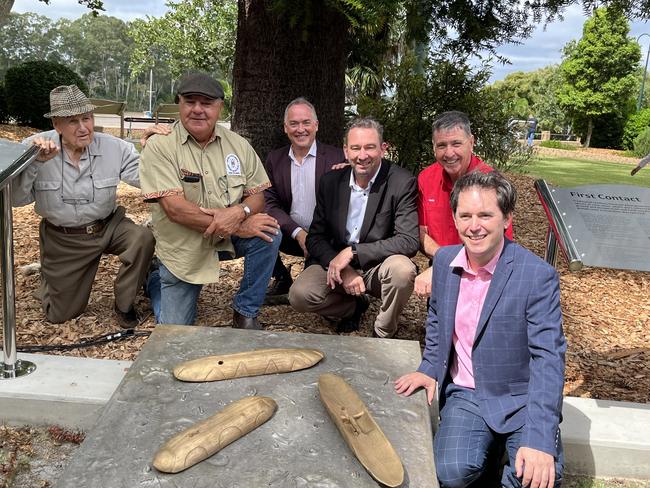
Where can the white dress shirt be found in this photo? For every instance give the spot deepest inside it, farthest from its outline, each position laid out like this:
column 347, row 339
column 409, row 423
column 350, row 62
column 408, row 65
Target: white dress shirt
column 303, row 189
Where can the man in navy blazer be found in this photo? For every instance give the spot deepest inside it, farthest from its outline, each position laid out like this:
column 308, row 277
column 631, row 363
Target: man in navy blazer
column 364, row 230
column 494, row 347
column 295, row 171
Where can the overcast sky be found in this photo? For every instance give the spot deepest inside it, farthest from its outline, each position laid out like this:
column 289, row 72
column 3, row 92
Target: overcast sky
column 542, row 49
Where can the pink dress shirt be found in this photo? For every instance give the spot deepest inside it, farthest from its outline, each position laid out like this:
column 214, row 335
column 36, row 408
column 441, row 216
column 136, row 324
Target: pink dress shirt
column 471, row 296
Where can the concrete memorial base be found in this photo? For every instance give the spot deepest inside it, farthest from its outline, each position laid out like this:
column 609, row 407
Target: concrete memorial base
column 298, row 447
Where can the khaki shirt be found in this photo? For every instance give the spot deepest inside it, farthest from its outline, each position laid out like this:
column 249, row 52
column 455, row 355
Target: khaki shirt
column 227, row 169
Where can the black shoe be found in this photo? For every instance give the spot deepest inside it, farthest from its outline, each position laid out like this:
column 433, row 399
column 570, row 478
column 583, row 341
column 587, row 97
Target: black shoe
column 278, row 291
column 127, row 320
column 352, row 323
column 241, row 322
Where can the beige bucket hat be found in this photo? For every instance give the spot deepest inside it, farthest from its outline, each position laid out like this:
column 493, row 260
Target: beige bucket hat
column 68, row 100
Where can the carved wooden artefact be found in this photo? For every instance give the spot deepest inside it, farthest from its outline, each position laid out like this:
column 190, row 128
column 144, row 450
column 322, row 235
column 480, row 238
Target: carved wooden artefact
column 202, row 440
column 251, row 363
column 362, row 434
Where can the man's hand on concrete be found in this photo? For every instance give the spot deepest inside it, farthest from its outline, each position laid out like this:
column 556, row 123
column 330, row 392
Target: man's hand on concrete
column 352, row 282
column 536, row 469
column 259, row 225
column 423, row 283
column 301, row 237
column 338, row 264
column 407, row 384
column 47, row 149
column 225, row 221
column 162, row 129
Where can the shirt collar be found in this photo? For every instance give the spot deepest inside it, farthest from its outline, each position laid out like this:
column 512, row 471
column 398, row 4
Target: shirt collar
column 461, row 261
column 311, row 152
column 353, row 183
column 185, row 135
column 474, row 163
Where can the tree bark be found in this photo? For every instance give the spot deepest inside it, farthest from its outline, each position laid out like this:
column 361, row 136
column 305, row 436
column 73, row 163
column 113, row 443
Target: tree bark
column 276, row 62
column 590, row 129
column 5, row 8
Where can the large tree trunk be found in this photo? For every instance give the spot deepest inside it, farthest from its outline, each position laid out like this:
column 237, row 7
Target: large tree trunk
column 5, row 8
column 275, row 63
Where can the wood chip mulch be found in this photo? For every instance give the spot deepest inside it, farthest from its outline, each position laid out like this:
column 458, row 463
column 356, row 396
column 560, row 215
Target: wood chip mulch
column 606, row 311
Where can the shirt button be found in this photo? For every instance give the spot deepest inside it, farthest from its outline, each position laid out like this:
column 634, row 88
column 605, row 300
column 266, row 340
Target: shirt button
column 209, row 193
column 206, row 172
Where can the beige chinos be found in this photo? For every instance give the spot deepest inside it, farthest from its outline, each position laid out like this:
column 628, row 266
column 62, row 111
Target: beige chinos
column 69, row 263
column 391, row 281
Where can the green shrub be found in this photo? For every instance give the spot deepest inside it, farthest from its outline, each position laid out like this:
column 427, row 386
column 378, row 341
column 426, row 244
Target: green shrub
column 28, row 86
column 642, row 144
column 636, row 124
column 4, row 116
column 558, row 145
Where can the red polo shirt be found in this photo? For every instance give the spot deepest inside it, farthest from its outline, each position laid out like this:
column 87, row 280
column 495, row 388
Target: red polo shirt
column 434, row 209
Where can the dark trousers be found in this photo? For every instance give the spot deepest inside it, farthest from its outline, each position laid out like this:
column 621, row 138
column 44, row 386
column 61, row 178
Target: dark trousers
column 288, row 246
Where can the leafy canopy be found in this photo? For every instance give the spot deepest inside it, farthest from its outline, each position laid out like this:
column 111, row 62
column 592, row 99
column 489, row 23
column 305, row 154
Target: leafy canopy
column 192, row 35
column 599, row 70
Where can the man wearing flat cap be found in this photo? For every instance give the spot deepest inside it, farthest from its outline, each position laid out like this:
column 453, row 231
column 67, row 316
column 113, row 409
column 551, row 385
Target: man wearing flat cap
column 74, row 182
column 207, row 186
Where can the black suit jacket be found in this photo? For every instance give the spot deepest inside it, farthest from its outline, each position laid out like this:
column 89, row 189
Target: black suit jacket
column 390, row 224
column 278, row 197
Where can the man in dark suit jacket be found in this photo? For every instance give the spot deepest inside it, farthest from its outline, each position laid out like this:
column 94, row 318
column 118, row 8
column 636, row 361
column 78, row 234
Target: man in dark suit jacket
column 494, row 347
column 295, row 171
column 363, row 232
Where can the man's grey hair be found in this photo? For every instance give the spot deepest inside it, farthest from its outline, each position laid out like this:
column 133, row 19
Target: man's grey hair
column 300, row 101
column 364, row 123
column 506, row 193
column 450, row 120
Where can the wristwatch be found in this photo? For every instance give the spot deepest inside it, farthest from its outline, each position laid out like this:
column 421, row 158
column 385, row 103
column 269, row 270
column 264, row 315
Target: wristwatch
column 247, row 210
column 355, row 254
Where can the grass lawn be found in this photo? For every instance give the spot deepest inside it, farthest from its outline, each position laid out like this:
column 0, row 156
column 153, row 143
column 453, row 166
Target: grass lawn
column 567, row 173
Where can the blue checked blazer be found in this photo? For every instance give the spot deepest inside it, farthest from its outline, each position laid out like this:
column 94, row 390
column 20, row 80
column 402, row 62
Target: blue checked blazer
column 519, row 347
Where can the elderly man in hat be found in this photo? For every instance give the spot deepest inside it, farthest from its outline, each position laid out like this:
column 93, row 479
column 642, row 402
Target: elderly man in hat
column 73, row 182
column 207, row 188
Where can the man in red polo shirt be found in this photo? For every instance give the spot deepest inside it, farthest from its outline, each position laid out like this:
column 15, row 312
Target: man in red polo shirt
column 453, row 144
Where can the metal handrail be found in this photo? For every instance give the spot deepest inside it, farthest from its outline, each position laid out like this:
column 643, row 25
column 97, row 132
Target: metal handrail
column 558, row 227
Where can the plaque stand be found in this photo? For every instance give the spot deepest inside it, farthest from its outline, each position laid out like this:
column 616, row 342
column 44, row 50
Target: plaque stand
column 12, row 367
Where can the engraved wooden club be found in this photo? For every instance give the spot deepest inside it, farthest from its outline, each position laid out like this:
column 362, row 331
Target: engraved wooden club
column 204, row 439
column 251, row 363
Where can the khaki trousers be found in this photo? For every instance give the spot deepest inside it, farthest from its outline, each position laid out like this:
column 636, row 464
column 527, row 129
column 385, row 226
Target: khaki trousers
column 390, row 281
column 69, row 263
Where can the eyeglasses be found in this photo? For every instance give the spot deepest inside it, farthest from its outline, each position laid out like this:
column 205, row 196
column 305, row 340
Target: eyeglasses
column 223, row 185
column 76, row 201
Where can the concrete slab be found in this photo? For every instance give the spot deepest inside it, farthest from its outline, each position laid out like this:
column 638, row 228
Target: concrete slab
column 606, row 438
column 299, row 446
column 63, row 390
column 601, row 438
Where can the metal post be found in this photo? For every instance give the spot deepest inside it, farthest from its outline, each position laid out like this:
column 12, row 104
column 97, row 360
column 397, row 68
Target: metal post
column 11, row 367
column 638, row 105
column 550, row 255
column 561, row 236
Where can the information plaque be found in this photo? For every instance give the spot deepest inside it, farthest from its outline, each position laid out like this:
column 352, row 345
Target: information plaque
column 607, row 226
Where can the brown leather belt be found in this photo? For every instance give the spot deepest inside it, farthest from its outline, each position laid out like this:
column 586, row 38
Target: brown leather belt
column 91, row 228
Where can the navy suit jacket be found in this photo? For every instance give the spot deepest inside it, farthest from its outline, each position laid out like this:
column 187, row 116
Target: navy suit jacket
column 390, row 224
column 278, row 196
column 519, row 346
